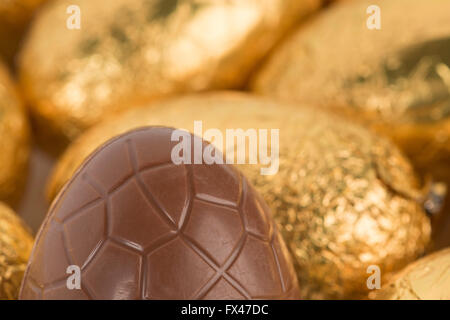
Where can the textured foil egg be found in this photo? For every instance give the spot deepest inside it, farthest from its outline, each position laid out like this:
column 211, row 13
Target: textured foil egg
column 344, row 198
column 14, row 140
column 396, row 79
column 15, row 248
column 425, row 279
column 130, row 51
column 14, row 18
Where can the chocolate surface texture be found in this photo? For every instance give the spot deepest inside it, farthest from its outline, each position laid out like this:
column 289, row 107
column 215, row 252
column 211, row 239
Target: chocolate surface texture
column 141, row 227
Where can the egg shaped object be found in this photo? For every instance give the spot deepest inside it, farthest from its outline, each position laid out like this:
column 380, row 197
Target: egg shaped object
column 108, row 55
column 383, row 63
column 133, row 224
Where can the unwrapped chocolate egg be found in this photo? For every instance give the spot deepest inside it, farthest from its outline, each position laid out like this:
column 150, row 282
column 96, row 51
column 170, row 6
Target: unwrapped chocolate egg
column 425, row 279
column 15, row 16
column 15, row 248
column 130, row 51
column 134, row 223
column 385, row 63
column 344, row 198
column 14, row 140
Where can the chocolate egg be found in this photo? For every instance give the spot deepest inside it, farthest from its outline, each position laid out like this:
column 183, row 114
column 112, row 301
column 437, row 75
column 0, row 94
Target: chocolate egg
column 14, row 140
column 14, row 18
column 15, row 247
column 384, row 63
column 130, row 51
column 344, row 198
column 139, row 225
column 425, row 279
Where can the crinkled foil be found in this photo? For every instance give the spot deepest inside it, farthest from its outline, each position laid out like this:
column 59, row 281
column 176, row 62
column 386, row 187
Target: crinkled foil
column 14, row 18
column 130, row 51
column 344, row 198
column 15, row 248
column 426, row 279
column 14, row 141
column 396, row 79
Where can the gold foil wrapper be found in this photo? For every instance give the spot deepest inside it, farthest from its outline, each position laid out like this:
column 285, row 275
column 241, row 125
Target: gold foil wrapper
column 14, row 18
column 395, row 79
column 425, row 279
column 14, row 141
column 344, row 198
column 131, row 51
column 16, row 243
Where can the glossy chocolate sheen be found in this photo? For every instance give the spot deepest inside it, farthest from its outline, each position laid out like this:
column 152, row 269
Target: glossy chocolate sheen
column 141, row 227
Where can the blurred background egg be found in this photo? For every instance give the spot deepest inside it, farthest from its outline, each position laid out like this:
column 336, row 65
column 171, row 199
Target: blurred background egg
column 14, row 140
column 131, row 51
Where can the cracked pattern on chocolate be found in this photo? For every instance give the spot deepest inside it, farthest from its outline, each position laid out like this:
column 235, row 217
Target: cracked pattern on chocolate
column 141, row 227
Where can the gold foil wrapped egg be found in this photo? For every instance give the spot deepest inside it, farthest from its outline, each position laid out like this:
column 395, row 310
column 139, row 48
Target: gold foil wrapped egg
column 425, row 279
column 14, row 140
column 344, row 198
column 14, row 18
column 396, row 78
column 15, row 248
column 129, row 51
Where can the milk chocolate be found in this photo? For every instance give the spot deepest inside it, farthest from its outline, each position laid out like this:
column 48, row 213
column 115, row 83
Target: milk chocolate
column 136, row 225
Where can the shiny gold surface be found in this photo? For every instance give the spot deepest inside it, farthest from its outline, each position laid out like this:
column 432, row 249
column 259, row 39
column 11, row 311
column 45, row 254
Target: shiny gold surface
column 426, row 279
column 396, row 79
column 14, row 141
column 345, row 199
column 130, row 51
column 14, row 17
column 15, row 248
